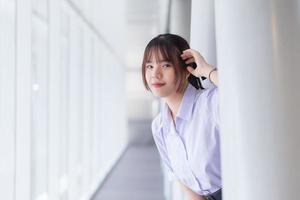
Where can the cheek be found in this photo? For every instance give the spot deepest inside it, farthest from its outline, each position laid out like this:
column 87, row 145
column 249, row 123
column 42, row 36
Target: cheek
column 147, row 76
column 172, row 77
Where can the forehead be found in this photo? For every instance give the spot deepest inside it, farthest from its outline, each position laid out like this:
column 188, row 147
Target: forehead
column 157, row 54
column 157, row 60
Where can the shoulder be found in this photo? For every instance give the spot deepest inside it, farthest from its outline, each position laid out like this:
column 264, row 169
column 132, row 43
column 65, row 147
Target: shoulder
column 213, row 95
column 211, row 92
column 207, row 95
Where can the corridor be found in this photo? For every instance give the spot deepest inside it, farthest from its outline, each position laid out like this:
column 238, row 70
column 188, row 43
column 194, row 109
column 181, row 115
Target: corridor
column 75, row 117
column 137, row 176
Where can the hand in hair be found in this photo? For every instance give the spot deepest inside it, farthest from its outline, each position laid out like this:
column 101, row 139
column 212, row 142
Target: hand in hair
column 193, row 56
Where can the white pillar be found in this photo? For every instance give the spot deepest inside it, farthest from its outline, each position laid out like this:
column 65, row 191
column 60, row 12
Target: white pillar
column 180, row 22
column 202, row 36
column 7, row 99
column 23, row 127
column 180, row 18
column 203, row 29
column 258, row 48
column 55, row 116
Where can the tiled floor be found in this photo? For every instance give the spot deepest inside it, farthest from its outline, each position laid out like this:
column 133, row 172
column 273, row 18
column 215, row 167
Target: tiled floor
column 137, row 176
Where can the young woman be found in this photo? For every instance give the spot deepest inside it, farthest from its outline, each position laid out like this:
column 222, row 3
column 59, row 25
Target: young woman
column 186, row 131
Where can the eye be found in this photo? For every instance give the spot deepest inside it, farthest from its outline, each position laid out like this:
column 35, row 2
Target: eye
column 149, row 67
column 166, row 65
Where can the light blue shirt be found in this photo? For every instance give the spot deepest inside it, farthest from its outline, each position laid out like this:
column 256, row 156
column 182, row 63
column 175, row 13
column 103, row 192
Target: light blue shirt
column 191, row 149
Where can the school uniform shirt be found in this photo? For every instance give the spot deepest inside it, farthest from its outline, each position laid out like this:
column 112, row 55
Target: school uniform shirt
column 190, row 149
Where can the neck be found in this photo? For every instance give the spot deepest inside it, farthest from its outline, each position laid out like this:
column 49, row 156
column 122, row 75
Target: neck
column 174, row 102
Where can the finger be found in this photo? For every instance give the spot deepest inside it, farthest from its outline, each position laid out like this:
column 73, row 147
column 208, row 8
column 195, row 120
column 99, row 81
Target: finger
column 190, row 69
column 188, row 52
column 185, row 57
column 190, row 60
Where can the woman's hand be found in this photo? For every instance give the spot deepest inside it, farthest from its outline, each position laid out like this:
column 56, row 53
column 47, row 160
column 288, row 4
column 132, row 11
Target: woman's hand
column 202, row 69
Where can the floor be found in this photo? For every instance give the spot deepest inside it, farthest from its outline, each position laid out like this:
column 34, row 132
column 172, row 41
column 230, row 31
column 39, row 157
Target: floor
column 137, row 176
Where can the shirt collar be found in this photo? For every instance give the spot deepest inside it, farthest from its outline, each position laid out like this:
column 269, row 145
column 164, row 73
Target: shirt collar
column 187, row 103
column 185, row 108
column 166, row 117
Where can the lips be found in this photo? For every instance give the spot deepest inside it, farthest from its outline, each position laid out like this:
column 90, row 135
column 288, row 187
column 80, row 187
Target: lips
column 158, row 85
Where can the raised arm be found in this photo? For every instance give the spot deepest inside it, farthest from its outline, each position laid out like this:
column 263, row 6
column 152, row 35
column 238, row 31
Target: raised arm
column 203, row 68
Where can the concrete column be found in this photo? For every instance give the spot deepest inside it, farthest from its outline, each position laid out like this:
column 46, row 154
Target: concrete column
column 203, row 29
column 180, row 18
column 7, row 99
column 180, row 23
column 55, row 116
column 23, row 102
column 258, row 48
column 202, row 35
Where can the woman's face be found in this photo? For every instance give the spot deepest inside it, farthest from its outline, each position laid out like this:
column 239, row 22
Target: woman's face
column 160, row 77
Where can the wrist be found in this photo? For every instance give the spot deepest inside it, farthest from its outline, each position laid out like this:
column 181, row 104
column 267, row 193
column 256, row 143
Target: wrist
column 210, row 74
column 208, row 70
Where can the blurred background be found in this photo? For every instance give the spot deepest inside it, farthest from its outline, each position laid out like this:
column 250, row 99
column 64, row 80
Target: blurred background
column 75, row 118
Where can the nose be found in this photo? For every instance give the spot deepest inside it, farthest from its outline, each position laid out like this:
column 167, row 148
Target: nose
column 156, row 73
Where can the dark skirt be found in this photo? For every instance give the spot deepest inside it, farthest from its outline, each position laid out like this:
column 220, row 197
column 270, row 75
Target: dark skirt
column 215, row 196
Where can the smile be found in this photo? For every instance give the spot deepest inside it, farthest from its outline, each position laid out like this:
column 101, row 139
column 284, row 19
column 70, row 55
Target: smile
column 158, row 85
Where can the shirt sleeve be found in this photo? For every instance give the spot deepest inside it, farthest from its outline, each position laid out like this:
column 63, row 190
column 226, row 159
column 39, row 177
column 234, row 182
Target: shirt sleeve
column 213, row 105
column 157, row 135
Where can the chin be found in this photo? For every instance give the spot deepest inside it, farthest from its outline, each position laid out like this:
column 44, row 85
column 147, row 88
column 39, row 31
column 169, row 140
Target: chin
column 159, row 94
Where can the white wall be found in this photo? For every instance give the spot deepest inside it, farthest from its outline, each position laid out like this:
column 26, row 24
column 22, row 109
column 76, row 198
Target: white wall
column 62, row 123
